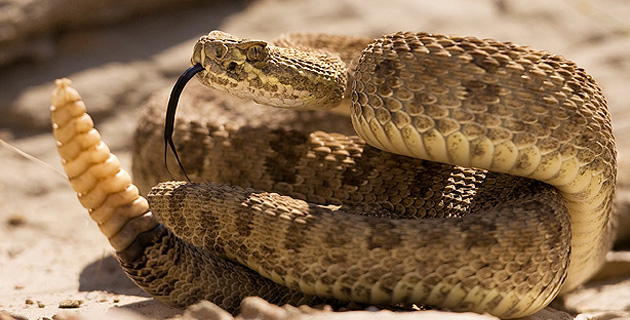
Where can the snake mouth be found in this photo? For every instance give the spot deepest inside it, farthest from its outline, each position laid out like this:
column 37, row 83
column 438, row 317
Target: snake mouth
column 216, row 59
column 220, row 74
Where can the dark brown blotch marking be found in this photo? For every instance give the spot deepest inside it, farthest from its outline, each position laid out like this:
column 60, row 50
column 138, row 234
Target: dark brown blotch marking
column 356, row 175
column 287, row 149
column 383, row 236
column 295, row 237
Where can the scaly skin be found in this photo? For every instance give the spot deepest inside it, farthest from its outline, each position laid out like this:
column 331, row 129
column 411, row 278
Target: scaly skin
column 457, row 100
column 513, row 245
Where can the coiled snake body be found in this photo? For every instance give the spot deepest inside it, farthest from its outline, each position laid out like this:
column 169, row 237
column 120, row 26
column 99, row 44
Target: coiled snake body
column 504, row 241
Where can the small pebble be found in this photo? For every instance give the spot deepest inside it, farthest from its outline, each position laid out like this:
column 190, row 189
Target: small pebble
column 70, row 304
column 16, row 220
column 40, row 304
column 29, row 301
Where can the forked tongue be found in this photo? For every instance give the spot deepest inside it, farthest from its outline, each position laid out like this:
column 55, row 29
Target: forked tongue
column 169, row 122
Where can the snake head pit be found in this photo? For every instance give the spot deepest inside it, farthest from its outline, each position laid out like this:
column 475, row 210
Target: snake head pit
column 268, row 74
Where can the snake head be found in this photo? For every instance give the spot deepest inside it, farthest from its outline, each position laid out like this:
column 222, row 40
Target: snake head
column 268, row 74
column 225, row 56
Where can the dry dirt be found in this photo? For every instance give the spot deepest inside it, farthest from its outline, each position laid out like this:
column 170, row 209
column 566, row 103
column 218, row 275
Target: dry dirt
column 51, row 252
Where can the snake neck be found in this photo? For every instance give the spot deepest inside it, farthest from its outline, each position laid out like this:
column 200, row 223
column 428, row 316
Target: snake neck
column 271, row 75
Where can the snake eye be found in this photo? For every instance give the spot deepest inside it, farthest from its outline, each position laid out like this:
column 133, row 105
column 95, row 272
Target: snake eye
column 219, row 51
column 256, row 52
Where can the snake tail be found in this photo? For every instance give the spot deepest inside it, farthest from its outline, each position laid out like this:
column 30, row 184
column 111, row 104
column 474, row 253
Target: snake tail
column 95, row 173
column 155, row 259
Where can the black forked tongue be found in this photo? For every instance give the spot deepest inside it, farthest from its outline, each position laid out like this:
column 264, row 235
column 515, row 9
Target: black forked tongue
column 169, row 122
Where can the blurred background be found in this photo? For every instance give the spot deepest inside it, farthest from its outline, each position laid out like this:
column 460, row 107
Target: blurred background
column 118, row 53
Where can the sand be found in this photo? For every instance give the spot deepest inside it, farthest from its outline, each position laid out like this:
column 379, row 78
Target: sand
column 51, row 252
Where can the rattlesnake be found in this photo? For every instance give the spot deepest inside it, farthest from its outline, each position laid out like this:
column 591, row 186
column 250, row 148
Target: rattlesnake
column 490, row 242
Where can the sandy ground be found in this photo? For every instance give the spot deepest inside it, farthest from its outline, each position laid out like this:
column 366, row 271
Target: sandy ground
column 50, row 251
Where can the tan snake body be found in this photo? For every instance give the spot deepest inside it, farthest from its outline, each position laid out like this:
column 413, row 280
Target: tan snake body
column 505, row 245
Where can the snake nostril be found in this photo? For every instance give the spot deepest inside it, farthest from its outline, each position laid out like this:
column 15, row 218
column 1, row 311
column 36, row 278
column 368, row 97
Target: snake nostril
column 232, row 66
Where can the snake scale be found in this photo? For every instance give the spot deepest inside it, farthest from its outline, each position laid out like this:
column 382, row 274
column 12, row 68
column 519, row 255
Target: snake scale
column 483, row 179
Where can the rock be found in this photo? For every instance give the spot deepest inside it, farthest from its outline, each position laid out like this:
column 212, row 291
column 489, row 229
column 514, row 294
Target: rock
column 27, row 27
column 254, row 308
column 607, row 291
column 617, row 266
column 607, row 315
column 623, row 197
column 206, row 310
column 548, row 314
column 68, row 316
column 70, row 304
column 115, row 81
column 7, row 316
column 623, row 160
column 118, row 314
column 623, row 210
column 599, row 296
